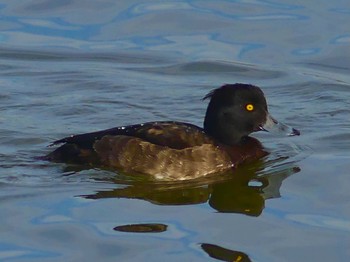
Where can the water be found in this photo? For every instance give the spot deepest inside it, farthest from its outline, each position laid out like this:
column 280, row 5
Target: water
column 69, row 68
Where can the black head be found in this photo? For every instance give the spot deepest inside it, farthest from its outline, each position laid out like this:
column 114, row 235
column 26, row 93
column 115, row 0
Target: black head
column 235, row 111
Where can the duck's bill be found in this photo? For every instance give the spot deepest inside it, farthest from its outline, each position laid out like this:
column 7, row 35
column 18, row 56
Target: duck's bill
column 275, row 127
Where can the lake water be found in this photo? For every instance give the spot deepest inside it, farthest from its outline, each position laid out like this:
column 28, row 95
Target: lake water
column 70, row 67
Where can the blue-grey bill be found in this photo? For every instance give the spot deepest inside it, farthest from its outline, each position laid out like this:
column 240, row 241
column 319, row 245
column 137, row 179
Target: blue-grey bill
column 273, row 126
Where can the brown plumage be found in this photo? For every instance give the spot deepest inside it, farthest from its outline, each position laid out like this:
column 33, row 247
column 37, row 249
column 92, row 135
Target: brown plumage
column 175, row 150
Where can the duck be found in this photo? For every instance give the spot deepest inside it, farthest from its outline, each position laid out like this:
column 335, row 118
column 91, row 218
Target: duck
column 172, row 150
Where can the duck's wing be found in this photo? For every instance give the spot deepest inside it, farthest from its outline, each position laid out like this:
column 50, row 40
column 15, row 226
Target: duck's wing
column 81, row 149
column 86, row 140
column 175, row 135
column 134, row 155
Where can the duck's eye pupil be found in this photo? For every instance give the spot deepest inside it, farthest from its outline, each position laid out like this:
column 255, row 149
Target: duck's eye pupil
column 249, row 107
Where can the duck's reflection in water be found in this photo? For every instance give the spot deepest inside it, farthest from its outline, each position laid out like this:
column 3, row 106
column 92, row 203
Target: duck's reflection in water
column 243, row 191
column 224, row 254
column 142, row 228
column 213, row 251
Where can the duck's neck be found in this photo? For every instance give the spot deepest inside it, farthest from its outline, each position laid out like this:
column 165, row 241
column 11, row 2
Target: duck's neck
column 249, row 149
column 223, row 133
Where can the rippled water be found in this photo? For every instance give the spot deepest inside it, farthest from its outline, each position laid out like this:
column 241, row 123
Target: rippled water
column 69, row 68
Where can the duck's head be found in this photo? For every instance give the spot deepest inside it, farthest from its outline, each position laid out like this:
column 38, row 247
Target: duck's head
column 236, row 110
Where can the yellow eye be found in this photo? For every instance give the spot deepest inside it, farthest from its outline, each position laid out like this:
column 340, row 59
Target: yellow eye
column 249, row 107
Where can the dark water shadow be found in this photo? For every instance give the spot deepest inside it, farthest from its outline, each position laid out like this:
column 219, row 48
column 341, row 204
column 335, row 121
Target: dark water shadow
column 142, row 228
column 213, row 68
column 121, row 57
column 224, row 254
column 243, row 191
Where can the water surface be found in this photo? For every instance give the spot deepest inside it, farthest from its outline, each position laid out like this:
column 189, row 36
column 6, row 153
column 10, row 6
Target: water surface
column 68, row 68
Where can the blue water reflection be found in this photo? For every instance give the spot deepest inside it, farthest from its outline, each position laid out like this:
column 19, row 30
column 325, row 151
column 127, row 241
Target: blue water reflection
column 9, row 251
column 71, row 66
column 225, row 30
